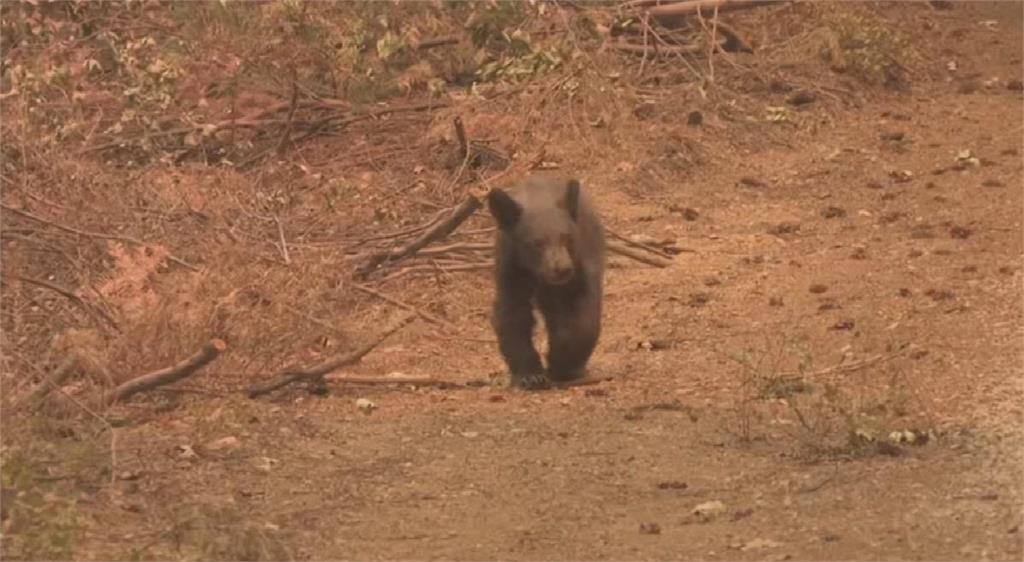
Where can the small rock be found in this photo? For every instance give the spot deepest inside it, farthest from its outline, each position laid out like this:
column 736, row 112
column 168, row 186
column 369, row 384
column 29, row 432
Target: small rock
column 901, row 176
column 802, row 97
column 843, row 325
column 829, row 537
column 960, row 232
column 905, row 293
column 833, row 213
column 1015, row 86
column 185, row 452
column 748, row 181
column 224, row 444
column 707, row 511
column 650, row 529
column 874, row 184
column 672, row 485
column 992, row 183
column 784, row 227
column 698, row 299
column 817, row 288
column 695, row 118
column 265, row 464
column 940, row 294
column 775, row 301
column 859, row 253
column 712, row 281
column 893, row 136
column 365, row 406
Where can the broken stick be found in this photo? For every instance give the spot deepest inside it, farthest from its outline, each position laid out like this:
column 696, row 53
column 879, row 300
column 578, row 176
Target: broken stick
column 175, row 373
column 317, row 372
column 437, row 232
column 623, row 250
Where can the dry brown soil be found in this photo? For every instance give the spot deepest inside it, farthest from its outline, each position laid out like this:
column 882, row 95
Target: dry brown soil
column 614, row 470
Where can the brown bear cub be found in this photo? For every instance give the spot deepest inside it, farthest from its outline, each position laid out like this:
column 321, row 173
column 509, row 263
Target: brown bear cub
column 550, row 252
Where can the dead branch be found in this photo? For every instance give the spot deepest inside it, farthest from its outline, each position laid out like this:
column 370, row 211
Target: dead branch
column 460, row 134
column 456, row 247
column 693, row 6
column 175, row 373
column 61, row 374
column 628, row 252
column 583, row 381
column 437, row 232
column 406, row 306
column 70, row 295
column 734, row 41
column 97, row 235
column 424, row 44
column 640, row 245
column 317, row 372
column 404, row 379
column 433, row 269
column 657, row 50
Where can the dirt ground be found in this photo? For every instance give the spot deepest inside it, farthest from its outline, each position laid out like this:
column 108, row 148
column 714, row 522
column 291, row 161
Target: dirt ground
column 867, row 237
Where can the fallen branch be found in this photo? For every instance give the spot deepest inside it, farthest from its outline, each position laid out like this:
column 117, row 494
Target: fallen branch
column 436, row 42
column 657, row 50
column 406, row 306
column 437, row 232
column 445, row 269
column 317, row 372
column 61, row 374
column 97, row 235
column 640, row 245
column 693, row 6
column 89, row 309
column 633, row 254
column 175, row 373
column 404, row 379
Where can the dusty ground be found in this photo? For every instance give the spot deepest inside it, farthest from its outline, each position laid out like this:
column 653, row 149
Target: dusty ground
column 867, row 260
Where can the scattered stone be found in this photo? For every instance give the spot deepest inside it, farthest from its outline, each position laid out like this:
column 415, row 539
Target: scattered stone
column 694, row 119
column 711, row 281
column 775, row 301
column 802, row 97
column 748, row 181
column 741, row 514
column 687, row 213
column 905, row 292
column 654, row 345
column 365, row 406
column 833, row 213
column 893, row 136
column 759, row 544
column 891, row 217
column 783, row 228
column 901, row 176
column 829, row 305
column 1015, row 86
column 224, row 444
column 843, row 325
column 874, row 184
column 1011, row 151
column 650, row 529
column 922, row 231
column 960, row 232
column 698, row 300
column 859, row 253
column 991, row 182
column 672, row 485
column 708, row 511
column 818, row 288
column 940, row 294
column 830, row 537
column 1006, row 270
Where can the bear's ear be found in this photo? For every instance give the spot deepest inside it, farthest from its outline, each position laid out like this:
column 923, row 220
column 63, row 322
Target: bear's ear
column 503, row 208
column 572, row 198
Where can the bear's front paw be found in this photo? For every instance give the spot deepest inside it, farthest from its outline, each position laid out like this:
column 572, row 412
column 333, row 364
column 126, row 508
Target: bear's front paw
column 531, row 381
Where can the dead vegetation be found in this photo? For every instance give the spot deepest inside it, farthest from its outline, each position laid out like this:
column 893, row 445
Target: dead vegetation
column 266, row 182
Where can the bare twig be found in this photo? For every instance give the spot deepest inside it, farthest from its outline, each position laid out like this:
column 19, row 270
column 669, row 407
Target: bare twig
column 406, row 306
column 70, row 295
column 424, row 44
column 448, row 269
column 175, row 373
column 284, row 243
column 640, row 245
column 317, row 372
column 54, row 381
column 404, row 379
column 685, row 8
column 97, row 235
column 437, row 232
column 633, row 254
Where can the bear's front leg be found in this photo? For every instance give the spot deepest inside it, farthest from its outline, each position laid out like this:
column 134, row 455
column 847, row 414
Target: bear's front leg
column 513, row 323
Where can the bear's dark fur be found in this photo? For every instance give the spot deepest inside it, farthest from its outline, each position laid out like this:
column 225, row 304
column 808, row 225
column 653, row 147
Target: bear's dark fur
column 549, row 252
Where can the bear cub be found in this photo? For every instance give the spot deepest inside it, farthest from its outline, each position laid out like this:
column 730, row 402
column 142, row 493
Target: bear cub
column 549, row 253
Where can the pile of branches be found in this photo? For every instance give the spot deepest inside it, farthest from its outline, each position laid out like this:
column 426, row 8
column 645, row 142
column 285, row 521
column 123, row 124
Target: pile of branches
column 653, row 28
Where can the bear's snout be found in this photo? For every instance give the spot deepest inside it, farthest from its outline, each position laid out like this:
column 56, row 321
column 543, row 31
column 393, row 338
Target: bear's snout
column 557, row 267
